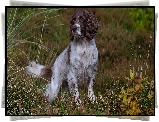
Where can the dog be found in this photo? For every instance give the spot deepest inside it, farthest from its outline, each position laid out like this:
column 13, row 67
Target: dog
column 77, row 63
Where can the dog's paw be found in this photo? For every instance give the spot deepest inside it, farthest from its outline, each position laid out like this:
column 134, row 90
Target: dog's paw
column 91, row 96
column 78, row 101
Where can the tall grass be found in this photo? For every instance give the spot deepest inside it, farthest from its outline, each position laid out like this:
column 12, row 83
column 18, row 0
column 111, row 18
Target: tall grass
column 125, row 81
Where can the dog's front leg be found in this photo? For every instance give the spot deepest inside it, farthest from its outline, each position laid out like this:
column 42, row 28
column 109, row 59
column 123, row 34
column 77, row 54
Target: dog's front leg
column 91, row 95
column 73, row 87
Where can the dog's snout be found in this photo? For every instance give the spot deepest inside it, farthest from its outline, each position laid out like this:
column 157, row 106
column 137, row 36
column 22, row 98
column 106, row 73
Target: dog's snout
column 75, row 26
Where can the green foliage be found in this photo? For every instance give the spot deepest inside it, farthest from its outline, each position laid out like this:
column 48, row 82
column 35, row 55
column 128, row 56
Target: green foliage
column 142, row 18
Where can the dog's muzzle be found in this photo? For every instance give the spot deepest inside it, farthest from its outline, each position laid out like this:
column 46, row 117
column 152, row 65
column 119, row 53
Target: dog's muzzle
column 76, row 30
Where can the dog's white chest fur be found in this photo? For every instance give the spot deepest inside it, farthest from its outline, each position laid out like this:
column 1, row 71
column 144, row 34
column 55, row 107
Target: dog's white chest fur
column 82, row 56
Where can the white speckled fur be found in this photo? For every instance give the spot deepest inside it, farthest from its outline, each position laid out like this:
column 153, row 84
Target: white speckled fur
column 76, row 64
column 82, row 67
column 78, row 31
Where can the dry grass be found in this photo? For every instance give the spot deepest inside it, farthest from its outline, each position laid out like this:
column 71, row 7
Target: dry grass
column 45, row 36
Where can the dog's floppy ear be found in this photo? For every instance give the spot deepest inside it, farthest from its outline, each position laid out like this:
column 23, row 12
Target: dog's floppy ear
column 91, row 26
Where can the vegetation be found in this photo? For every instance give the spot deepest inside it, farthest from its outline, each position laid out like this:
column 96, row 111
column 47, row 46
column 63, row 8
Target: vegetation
column 125, row 81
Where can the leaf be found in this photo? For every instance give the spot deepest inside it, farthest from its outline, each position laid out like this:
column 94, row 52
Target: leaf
column 130, row 90
column 124, row 99
column 134, row 105
column 138, row 111
column 149, row 96
column 120, row 96
column 141, row 87
column 129, row 112
column 137, row 87
column 128, row 100
column 131, row 74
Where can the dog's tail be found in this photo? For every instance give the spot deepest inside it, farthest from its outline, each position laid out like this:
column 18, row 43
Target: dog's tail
column 37, row 70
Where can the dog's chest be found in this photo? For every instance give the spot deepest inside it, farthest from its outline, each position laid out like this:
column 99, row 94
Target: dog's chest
column 81, row 56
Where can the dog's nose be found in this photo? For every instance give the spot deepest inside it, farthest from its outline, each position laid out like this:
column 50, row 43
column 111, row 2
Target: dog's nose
column 75, row 26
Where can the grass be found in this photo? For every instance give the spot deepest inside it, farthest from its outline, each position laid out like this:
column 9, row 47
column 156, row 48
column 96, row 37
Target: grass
column 125, row 81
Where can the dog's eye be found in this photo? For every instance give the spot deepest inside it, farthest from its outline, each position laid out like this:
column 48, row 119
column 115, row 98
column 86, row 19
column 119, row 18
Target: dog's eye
column 74, row 19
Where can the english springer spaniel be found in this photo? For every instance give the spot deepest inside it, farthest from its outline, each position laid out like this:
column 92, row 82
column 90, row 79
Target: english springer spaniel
column 77, row 63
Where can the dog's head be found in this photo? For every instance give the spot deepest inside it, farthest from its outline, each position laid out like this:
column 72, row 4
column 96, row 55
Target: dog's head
column 83, row 25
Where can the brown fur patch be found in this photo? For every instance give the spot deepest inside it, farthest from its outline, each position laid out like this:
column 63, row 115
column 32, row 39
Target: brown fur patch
column 46, row 71
column 68, row 53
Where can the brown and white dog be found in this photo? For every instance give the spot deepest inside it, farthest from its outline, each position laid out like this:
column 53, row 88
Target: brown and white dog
column 77, row 63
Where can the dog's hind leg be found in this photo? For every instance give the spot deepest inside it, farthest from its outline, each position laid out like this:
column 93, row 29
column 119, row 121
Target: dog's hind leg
column 53, row 87
column 51, row 92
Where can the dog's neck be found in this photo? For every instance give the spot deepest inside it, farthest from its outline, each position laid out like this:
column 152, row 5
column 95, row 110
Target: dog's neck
column 81, row 40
